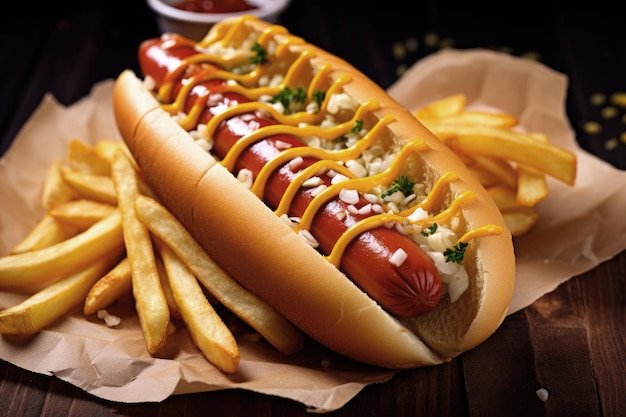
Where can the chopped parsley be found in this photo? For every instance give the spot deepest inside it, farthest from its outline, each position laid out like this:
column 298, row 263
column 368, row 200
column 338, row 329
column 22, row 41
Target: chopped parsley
column 318, row 97
column 430, row 230
column 358, row 125
column 455, row 254
column 402, row 184
column 287, row 97
column 260, row 54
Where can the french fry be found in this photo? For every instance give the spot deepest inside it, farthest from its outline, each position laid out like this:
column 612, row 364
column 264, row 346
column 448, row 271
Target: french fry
column 47, row 305
column 150, row 302
column 33, row 270
column 55, row 190
column 81, row 213
column 83, row 158
column 531, row 183
column 47, row 232
column 277, row 330
column 107, row 148
column 532, row 188
column 504, row 197
column 90, row 186
column 206, row 328
column 167, row 289
column 445, row 107
column 111, row 287
column 521, row 220
column 499, row 169
column 512, row 146
column 476, row 118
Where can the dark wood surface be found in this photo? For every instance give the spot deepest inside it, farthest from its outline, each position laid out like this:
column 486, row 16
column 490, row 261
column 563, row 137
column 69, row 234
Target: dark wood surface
column 571, row 342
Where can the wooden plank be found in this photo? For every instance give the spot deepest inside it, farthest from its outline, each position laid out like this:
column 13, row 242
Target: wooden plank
column 558, row 334
column 602, row 295
column 499, row 374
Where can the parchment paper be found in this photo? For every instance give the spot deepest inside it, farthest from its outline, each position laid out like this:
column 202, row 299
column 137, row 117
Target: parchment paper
column 580, row 226
column 113, row 364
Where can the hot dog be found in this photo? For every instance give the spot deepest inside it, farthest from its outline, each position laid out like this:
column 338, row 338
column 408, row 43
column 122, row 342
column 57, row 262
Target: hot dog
column 300, row 156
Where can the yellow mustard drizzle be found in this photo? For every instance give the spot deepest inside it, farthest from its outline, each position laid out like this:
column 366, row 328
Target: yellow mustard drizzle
column 317, row 168
column 287, row 124
column 487, row 230
column 361, row 184
column 299, row 66
column 327, row 160
column 165, row 91
column 353, row 231
column 238, row 30
column 446, row 215
column 434, row 194
column 319, row 80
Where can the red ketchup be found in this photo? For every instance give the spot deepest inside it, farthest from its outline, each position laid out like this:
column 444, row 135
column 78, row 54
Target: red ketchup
column 214, row 6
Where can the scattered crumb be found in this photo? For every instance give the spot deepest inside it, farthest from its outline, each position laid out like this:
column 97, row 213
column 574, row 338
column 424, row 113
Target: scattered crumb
column 109, row 319
column 543, row 394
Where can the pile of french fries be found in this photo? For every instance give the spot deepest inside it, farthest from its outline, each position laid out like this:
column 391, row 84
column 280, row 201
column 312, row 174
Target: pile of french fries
column 512, row 165
column 105, row 235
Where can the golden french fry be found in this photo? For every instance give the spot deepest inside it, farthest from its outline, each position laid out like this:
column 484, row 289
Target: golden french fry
column 521, row 220
column 150, row 301
column 167, row 289
column 531, row 183
column 474, row 118
column 512, row 146
column 277, row 330
column 108, row 289
column 32, row 270
column 83, row 158
column 55, row 190
column 90, row 186
column 207, row 329
column 81, row 213
column 499, row 169
column 47, row 305
column 504, row 197
column 447, row 106
column 107, row 148
column 47, row 232
column 531, row 186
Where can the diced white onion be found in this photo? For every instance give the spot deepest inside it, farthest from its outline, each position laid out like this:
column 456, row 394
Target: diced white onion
column 398, row 257
column 349, row 196
column 246, row 177
column 109, row 319
column 338, row 178
column 308, row 238
column 312, row 182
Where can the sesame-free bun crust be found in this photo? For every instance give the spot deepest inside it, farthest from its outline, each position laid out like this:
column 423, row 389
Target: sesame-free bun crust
column 259, row 250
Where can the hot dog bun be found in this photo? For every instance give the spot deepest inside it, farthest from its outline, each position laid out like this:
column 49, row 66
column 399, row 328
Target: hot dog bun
column 264, row 254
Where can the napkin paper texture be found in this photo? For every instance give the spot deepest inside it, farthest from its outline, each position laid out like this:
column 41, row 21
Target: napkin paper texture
column 580, row 227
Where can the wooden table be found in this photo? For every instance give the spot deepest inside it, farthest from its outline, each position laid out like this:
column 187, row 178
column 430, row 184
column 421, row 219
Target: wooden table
column 571, row 342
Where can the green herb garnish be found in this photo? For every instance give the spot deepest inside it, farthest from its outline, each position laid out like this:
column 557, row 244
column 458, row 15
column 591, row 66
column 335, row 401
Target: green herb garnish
column 358, row 125
column 260, row 54
column 455, row 254
column 402, row 184
column 318, row 97
column 287, row 96
column 430, row 230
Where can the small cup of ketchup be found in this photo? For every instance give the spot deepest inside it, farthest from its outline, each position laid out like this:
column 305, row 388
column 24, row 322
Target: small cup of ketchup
column 194, row 18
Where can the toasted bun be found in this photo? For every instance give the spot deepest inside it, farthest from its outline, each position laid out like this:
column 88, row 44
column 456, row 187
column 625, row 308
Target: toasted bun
column 264, row 254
